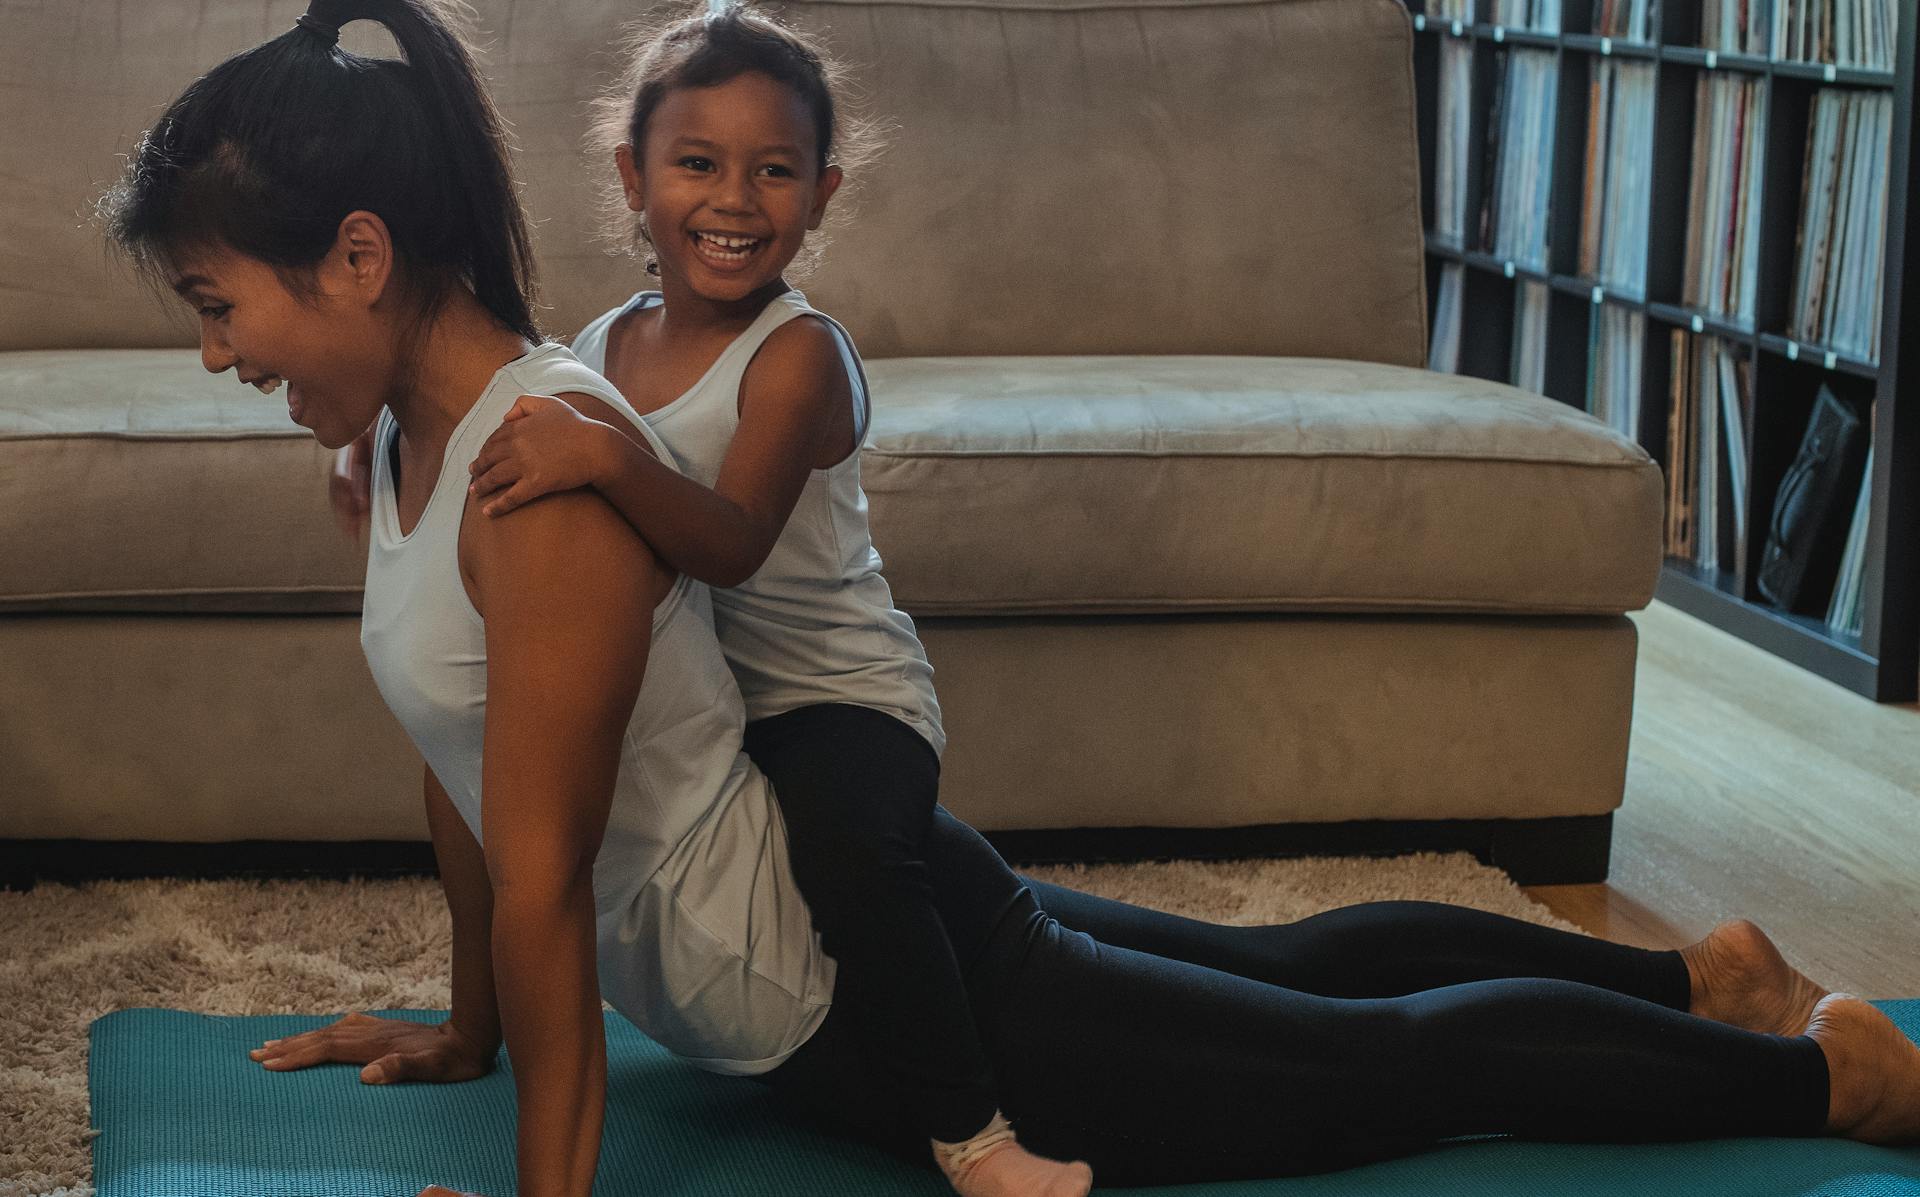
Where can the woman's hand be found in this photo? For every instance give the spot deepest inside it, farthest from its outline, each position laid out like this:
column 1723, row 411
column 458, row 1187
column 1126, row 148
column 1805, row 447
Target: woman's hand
column 443, row 1191
column 392, row 1050
column 543, row 445
column 350, row 486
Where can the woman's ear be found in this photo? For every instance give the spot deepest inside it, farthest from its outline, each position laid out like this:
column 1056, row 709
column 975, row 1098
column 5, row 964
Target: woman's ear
column 631, row 179
column 822, row 192
column 362, row 259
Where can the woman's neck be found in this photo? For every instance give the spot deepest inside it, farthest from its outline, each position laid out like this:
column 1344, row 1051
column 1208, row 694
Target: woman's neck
column 454, row 359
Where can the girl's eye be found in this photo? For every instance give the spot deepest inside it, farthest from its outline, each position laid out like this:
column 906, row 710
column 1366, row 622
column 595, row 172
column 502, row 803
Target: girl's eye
column 216, row 311
column 778, row 171
column 693, row 162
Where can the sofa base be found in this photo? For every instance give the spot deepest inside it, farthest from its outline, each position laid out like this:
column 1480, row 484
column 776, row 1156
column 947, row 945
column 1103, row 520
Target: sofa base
column 1562, row 851
column 219, row 729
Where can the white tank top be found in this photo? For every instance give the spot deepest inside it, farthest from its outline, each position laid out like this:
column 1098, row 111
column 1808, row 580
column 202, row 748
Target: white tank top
column 703, row 939
column 816, row 623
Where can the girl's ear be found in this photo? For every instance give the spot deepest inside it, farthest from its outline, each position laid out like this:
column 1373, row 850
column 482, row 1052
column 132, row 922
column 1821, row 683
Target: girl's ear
column 630, row 177
column 363, row 249
column 822, row 192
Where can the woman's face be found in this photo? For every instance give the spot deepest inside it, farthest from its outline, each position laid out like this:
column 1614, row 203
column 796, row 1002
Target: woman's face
column 730, row 184
column 331, row 355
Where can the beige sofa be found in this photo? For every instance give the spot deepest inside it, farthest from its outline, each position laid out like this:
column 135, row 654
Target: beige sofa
column 1203, row 558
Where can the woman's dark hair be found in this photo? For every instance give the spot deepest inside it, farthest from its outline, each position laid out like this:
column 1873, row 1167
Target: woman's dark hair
column 268, row 152
column 717, row 44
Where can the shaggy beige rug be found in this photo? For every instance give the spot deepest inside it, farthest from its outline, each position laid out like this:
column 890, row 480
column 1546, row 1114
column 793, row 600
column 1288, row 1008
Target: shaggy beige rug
column 69, row 955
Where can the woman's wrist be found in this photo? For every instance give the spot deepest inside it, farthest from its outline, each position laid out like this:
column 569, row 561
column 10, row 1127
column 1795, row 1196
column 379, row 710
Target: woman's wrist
column 468, row 1043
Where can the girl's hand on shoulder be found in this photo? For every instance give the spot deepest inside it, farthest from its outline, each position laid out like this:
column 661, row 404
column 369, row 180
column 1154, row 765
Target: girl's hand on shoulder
column 350, row 485
column 392, row 1049
column 544, row 445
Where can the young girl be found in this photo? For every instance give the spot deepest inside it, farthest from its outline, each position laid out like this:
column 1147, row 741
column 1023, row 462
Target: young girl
column 348, row 227
column 729, row 146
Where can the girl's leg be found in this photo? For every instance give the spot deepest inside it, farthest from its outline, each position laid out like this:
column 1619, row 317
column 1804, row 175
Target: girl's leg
column 1377, row 949
column 857, row 788
column 1158, row 1070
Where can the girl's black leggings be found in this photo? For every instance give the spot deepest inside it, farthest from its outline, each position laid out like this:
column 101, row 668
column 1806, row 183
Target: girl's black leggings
column 857, row 789
column 1163, row 1050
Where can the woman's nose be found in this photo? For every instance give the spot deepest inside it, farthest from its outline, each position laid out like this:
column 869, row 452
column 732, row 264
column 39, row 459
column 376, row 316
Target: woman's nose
column 215, row 355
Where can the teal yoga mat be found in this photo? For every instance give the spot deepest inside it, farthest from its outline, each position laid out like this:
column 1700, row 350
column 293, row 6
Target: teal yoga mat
column 183, row 1112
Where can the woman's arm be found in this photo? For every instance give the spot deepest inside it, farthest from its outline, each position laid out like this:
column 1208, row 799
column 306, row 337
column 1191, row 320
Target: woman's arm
column 463, row 875
column 567, row 591
column 796, row 414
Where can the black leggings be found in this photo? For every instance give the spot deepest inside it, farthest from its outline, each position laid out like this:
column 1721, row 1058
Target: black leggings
column 1164, row 1050
column 857, row 788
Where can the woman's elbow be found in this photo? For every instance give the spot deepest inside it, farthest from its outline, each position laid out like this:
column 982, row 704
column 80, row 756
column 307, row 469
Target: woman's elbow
column 539, row 885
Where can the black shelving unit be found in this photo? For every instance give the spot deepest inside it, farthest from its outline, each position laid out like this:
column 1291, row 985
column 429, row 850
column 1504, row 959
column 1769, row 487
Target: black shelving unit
column 1883, row 662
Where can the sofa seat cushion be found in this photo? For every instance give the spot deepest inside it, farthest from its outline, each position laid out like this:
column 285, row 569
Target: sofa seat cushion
column 1144, row 484
column 130, row 479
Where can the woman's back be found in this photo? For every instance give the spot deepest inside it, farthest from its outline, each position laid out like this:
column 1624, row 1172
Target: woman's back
column 703, row 939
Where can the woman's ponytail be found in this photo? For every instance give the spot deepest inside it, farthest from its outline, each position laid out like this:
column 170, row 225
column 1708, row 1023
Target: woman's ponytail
column 270, row 150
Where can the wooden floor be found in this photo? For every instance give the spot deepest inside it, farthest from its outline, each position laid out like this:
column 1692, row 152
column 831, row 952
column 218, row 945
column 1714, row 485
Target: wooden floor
column 1758, row 790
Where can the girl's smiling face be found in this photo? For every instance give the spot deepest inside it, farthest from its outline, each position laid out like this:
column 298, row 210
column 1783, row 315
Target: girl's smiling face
column 730, row 182
column 333, row 358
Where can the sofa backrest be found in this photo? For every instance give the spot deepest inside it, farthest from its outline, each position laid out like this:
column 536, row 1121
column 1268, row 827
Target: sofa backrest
column 1062, row 176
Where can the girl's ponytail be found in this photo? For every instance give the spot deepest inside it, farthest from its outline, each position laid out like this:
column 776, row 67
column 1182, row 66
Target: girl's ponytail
column 270, row 150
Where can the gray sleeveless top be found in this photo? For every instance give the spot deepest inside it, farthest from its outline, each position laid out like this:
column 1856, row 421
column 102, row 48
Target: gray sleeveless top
column 816, row 623
column 703, row 940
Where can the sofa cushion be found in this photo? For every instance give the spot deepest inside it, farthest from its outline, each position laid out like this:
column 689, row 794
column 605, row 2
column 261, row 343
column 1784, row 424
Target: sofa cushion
column 1255, row 159
column 1139, row 484
column 130, row 479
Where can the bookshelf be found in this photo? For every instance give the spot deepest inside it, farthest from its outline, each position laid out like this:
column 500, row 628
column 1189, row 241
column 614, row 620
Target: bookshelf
column 1606, row 309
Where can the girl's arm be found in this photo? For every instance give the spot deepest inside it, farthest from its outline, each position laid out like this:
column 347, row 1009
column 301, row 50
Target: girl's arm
column 567, row 592
column 796, row 415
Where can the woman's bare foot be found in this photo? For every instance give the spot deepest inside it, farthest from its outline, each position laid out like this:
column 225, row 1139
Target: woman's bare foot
column 1010, row 1170
column 1873, row 1072
column 1739, row 978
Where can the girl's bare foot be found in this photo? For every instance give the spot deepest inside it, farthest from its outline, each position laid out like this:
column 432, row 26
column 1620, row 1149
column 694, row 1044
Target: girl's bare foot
column 993, row 1164
column 1873, row 1072
column 1010, row 1170
column 1740, row 978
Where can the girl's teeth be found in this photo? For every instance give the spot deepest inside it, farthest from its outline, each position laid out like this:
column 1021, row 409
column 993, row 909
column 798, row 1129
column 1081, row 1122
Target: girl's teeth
column 727, row 249
column 268, row 386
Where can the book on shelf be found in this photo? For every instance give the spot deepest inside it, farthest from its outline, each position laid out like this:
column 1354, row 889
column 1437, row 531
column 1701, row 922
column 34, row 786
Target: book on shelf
column 1614, row 369
column 1845, row 614
column 1519, row 151
column 1451, row 10
column 1843, row 224
column 1710, row 413
column 1614, row 202
column 1734, row 26
column 1800, row 563
column 1453, row 131
column 1628, row 20
column 1443, row 354
column 1723, row 209
column 1858, row 34
column 1543, row 16
column 1529, row 364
